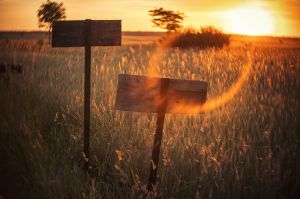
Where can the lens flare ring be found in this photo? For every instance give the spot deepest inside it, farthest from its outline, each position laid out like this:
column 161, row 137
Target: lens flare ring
column 210, row 104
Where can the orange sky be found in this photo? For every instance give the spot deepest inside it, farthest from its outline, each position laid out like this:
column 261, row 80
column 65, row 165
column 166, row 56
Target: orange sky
column 258, row 17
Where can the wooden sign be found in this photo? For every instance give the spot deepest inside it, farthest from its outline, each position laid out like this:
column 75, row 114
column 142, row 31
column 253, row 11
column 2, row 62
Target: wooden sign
column 161, row 96
column 86, row 33
column 73, row 33
column 142, row 94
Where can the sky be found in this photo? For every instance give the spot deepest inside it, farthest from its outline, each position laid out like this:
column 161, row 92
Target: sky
column 254, row 17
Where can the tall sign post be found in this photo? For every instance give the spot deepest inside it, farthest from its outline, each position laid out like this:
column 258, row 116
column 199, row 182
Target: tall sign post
column 87, row 93
column 161, row 96
column 86, row 33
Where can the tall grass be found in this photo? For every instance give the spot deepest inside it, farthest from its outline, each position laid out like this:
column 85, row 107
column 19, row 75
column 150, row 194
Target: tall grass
column 247, row 148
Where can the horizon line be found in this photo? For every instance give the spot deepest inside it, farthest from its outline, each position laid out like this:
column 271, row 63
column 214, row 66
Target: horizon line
column 162, row 32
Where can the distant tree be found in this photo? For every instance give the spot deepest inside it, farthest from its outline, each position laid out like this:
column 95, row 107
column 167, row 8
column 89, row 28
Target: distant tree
column 48, row 13
column 167, row 19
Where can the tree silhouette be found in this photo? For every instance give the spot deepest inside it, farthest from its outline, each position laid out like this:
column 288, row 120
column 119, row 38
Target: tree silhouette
column 48, row 13
column 167, row 19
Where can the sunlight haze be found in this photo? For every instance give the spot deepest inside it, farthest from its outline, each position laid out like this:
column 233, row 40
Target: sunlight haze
column 278, row 17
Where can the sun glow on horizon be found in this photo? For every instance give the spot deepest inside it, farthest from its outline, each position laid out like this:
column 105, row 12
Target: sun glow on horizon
column 249, row 20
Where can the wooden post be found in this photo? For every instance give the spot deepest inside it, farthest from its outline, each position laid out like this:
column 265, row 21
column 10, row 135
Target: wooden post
column 158, row 134
column 159, row 95
column 87, row 93
column 86, row 33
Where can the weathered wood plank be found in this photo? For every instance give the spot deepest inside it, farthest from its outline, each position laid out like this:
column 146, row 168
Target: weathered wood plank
column 142, row 94
column 137, row 93
column 72, row 33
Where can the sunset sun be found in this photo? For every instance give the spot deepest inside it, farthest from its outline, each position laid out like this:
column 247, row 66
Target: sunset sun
column 250, row 20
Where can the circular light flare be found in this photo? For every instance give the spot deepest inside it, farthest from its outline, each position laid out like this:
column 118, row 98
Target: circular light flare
column 210, row 104
column 250, row 20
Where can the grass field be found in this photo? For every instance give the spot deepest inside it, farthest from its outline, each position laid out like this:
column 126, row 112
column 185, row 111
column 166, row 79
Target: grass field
column 247, row 148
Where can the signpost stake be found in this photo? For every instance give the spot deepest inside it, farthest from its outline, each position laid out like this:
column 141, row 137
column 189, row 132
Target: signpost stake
column 158, row 134
column 86, row 33
column 159, row 95
column 87, row 93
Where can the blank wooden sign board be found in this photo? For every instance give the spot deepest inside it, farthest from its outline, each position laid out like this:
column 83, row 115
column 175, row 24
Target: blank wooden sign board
column 142, row 94
column 86, row 33
column 159, row 95
column 74, row 33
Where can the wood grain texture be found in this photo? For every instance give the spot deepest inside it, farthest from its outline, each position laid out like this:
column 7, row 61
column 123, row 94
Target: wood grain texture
column 142, row 94
column 72, row 33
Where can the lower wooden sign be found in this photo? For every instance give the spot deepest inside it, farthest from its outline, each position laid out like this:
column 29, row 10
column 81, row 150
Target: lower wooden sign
column 142, row 94
column 161, row 96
